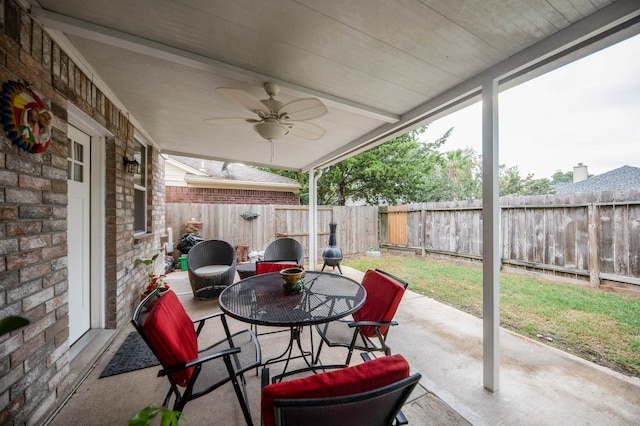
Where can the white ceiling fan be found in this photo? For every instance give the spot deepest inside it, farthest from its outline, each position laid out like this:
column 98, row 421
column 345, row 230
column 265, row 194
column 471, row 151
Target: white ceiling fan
column 276, row 119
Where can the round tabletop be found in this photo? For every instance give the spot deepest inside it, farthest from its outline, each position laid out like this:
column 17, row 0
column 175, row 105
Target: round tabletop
column 261, row 299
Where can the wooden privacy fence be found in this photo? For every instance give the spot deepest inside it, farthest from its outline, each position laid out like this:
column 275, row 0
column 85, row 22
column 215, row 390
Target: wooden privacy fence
column 357, row 229
column 594, row 236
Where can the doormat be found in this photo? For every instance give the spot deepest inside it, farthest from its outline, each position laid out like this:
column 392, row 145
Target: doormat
column 133, row 354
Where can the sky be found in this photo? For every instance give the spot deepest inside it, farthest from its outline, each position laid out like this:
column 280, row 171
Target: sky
column 585, row 112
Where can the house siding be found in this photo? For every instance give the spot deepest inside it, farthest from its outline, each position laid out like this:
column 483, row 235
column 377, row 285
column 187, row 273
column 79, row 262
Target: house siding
column 176, row 194
column 35, row 360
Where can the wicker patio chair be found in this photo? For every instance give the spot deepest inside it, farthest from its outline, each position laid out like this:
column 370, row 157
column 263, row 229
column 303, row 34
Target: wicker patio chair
column 368, row 394
column 192, row 370
column 212, row 267
column 284, row 250
column 368, row 329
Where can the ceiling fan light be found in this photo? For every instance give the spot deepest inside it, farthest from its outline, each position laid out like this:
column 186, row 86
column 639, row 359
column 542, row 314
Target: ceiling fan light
column 270, row 131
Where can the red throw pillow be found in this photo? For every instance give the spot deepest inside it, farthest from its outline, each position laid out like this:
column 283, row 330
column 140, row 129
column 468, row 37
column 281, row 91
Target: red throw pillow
column 383, row 297
column 264, row 267
column 360, row 378
column 172, row 335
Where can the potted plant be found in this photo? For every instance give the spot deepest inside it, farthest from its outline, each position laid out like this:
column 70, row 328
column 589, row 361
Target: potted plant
column 154, row 281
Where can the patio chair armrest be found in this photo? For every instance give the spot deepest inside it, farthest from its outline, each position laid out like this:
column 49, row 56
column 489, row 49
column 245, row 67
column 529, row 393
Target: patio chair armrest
column 207, row 317
column 200, row 322
column 372, row 323
column 198, row 361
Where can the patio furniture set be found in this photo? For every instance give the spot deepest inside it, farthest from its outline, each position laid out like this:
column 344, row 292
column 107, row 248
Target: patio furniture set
column 212, row 264
column 371, row 393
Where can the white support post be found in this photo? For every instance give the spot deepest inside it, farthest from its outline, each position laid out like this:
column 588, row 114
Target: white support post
column 313, row 223
column 490, row 237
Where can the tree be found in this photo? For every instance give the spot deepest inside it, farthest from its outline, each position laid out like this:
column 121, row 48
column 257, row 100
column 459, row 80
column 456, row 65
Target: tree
column 511, row 183
column 562, row 177
column 405, row 170
column 396, row 171
column 456, row 177
column 393, row 172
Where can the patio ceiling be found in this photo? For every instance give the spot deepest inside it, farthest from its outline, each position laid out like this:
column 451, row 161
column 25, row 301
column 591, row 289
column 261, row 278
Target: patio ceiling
column 381, row 67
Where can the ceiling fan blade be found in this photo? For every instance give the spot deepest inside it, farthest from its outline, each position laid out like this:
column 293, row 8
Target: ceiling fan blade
column 306, row 130
column 243, row 98
column 304, row 109
column 231, row 120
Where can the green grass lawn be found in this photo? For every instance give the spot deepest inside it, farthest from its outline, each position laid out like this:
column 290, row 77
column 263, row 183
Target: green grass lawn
column 598, row 326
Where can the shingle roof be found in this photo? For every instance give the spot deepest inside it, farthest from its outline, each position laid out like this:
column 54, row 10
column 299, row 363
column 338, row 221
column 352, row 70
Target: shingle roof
column 240, row 172
column 622, row 178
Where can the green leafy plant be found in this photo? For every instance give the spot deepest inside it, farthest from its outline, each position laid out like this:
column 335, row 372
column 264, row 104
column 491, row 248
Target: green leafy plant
column 154, row 281
column 142, row 418
column 148, row 262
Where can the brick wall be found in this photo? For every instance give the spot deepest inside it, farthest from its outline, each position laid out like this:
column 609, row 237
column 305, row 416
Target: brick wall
column 34, row 361
column 176, row 194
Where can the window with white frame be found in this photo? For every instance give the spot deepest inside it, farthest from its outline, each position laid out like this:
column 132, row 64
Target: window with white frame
column 140, row 188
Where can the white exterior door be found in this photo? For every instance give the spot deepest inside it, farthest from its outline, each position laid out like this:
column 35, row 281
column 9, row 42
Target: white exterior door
column 78, row 233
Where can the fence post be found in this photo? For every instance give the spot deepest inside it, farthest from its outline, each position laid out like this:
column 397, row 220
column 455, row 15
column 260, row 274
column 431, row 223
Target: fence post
column 422, row 216
column 594, row 254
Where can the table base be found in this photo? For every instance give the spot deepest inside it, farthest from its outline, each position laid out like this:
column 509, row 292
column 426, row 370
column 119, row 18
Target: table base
column 286, row 355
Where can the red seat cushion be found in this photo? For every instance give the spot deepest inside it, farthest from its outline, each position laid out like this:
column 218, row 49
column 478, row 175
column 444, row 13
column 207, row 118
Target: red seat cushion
column 383, row 297
column 264, row 267
column 363, row 377
column 170, row 332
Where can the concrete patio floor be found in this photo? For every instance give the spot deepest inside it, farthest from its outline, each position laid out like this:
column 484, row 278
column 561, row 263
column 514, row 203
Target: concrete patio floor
column 539, row 385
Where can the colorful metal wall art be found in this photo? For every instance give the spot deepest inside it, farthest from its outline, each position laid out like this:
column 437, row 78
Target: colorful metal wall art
column 25, row 117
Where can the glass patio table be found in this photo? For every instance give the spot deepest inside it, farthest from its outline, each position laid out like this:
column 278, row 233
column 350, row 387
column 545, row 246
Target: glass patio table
column 262, row 300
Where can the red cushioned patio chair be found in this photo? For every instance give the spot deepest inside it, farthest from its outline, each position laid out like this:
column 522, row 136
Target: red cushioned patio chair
column 264, row 267
column 368, row 329
column 368, row 394
column 193, row 371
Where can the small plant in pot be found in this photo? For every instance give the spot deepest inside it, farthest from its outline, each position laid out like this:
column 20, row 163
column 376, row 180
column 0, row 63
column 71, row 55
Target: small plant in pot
column 293, row 278
column 154, row 281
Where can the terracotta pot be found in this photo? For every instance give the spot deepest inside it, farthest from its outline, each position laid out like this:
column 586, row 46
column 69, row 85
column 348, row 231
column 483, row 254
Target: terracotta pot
column 153, row 301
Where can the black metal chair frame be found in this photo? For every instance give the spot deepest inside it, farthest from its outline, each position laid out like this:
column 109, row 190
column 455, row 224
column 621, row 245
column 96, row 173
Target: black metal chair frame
column 224, row 350
column 211, row 252
column 367, row 344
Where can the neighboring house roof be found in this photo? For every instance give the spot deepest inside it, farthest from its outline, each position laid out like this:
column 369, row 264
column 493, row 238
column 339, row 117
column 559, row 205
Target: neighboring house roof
column 622, row 178
column 195, row 172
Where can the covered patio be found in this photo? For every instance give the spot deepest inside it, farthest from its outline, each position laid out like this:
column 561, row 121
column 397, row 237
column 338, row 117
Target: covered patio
column 542, row 385
column 125, row 77
column 189, row 76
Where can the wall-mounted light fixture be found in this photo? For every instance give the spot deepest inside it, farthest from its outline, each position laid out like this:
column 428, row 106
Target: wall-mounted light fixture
column 249, row 216
column 131, row 166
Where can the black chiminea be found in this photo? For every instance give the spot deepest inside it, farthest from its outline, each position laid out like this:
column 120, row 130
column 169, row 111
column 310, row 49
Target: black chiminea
column 332, row 254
